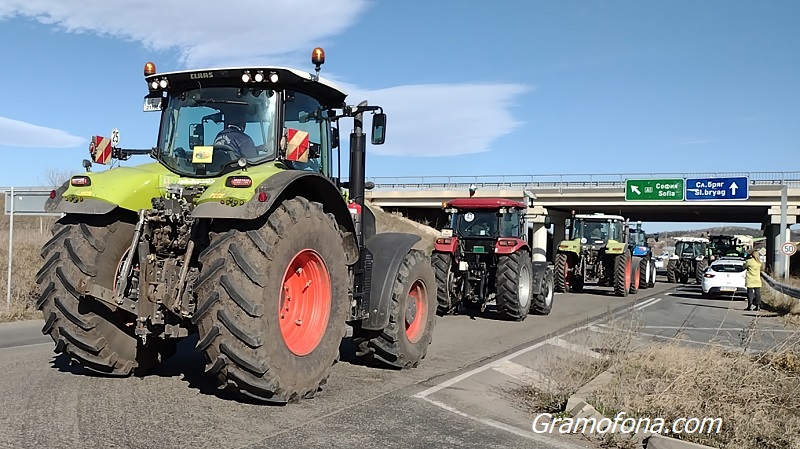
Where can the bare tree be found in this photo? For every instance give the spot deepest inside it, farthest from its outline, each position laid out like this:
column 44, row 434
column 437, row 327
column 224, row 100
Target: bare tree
column 55, row 177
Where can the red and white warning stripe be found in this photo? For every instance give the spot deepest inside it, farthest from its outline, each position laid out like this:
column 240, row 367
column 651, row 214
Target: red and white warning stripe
column 100, row 149
column 297, row 146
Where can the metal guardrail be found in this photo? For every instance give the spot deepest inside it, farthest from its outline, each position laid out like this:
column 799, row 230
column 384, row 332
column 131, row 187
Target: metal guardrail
column 561, row 181
column 780, row 287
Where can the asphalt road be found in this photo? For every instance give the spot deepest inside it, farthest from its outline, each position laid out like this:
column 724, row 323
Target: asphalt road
column 49, row 403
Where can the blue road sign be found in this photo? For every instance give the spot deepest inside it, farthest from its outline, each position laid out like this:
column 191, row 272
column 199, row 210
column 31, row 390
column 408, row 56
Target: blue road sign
column 717, row 189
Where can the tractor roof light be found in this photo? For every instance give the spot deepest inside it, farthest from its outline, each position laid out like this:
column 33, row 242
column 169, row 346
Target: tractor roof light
column 273, row 77
column 318, row 57
column 149, row 69
column 259, row 76
column 246, row 76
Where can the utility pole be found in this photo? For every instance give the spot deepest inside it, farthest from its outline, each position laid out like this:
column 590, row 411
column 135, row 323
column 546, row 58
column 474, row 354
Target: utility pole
column 783, row 258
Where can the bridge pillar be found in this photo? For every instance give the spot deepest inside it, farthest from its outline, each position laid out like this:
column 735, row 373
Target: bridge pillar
column 772, row 231
column 559, row 230
column 537, row 232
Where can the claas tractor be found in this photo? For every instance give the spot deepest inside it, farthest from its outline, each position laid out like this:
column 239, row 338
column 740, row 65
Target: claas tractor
column 641, row 251
column 237, row 233
column 690, row 260
column 596, row 251
column 729, row 246
column 484, row 255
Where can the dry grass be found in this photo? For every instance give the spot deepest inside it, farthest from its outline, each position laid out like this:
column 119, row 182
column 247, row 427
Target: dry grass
column 26, row 261
column 757, row 396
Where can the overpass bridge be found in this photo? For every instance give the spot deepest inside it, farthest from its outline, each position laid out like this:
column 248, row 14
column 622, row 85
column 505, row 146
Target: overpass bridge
column 421, row 197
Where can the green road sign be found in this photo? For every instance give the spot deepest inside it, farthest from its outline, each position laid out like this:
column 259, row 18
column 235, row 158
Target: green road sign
column 654, row 189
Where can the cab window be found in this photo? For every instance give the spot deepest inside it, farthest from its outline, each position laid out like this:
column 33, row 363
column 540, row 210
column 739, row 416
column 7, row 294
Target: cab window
column 304, row 113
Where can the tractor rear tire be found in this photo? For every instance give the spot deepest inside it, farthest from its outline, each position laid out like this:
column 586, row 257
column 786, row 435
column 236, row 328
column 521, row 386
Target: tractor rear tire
column 653, row 274
column 542, row 303
column 514, row 289
column 672, row 276
column 560, row 274
column 273, row 302
column 636, row 279
column 412, row 316
column 443, row 268
column 644, row 273
column 622, row 274
column 700, row 271
column 81, row 326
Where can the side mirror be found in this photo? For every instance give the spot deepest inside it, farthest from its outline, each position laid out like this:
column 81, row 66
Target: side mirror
column 547, row 221
column 378, row 129
column 369, row 185
column 196, row 135
column 334, row 137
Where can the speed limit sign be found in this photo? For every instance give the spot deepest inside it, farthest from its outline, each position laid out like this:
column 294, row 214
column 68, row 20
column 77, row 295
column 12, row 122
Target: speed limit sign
column 789, row 248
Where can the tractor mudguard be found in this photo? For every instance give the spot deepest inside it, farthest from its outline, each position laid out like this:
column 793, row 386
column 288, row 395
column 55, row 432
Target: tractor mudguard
column 287, row 184
column 73, row 204
column 540, row 270
column 640, row 251
column 388, row 250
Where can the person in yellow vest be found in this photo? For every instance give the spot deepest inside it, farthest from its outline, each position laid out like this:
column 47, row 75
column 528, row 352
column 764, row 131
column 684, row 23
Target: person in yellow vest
column 753, row 279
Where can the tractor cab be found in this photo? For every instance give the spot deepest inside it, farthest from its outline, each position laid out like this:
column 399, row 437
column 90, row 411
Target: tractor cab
column 595, row 231
column 483, row 223
column 725, row 246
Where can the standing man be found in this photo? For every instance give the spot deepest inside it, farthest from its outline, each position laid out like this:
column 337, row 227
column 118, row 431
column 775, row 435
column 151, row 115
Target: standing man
column 753, row 279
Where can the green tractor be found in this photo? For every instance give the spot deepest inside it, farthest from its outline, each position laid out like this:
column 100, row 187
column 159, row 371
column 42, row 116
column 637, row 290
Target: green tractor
column 690, row 260
column 249, row 244
column 597, row 251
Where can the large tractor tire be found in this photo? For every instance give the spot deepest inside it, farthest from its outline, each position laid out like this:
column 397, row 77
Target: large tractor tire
column 445, row 278
column 672, row 271
column 645, row 272
column 542, row 303
column 622, row 274
column 700, row 271
column 412, row 316
column 636, row 277
column 273, row 302
column 100, row 340
column 653, row 273
column 514, row 279
column 561, row 273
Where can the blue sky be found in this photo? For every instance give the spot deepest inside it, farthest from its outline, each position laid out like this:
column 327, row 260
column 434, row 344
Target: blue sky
column 514, row 87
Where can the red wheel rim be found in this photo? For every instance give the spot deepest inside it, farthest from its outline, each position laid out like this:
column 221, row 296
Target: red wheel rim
column 567, row 276
column 416, row 312
column 305, row 305
column 628, row 272
column 636, row 279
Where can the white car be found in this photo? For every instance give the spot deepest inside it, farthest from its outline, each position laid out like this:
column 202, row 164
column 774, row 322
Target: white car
column 724, row 276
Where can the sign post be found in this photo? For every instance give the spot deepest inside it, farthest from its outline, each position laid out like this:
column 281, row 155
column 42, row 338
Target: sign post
column 22, row 202
column 654, row 190
column 716, row 189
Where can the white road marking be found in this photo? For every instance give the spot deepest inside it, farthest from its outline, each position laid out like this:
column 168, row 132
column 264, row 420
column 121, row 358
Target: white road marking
column 715, row 329
column 502, row 426
column 580, row 349
column 647, row 303
column 460, row 377
column 525, row 374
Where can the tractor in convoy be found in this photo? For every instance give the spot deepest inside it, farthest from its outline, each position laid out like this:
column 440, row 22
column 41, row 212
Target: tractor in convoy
column 690, row 260
column 484, row 255
column 730, row 246
column 597, row 250
column 640, row 249
column 237, row 232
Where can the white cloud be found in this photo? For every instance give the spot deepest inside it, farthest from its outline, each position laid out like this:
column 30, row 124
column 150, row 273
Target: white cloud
column 423, row 120
column 441, row 120
column 202, row 31
column 14, row 133
column 694, row 141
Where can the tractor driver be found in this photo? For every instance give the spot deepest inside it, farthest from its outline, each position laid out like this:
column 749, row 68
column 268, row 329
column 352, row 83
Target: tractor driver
column 596, row 233
column 234, row 136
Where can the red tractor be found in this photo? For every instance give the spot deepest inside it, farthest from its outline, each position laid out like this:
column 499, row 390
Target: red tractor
column 484, row 255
